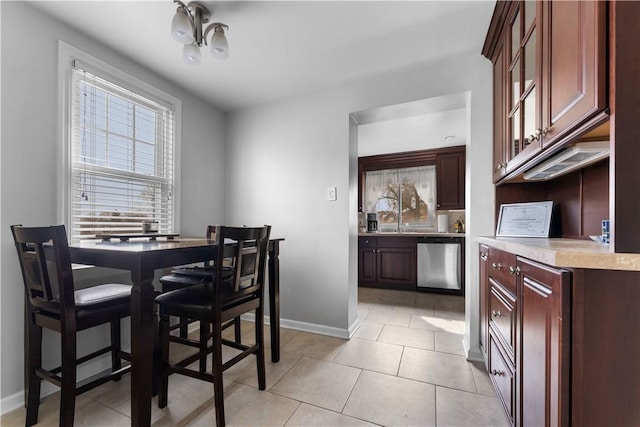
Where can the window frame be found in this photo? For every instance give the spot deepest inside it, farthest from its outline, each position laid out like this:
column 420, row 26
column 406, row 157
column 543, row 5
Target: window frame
column 67, row 54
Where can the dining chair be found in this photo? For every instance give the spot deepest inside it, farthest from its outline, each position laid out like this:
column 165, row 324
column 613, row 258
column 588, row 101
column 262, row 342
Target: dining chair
column 53, row 303
column 183, row 277
column 215, row 303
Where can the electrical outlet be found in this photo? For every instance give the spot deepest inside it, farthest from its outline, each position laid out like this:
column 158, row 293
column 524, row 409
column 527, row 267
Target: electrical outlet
column 332, row 194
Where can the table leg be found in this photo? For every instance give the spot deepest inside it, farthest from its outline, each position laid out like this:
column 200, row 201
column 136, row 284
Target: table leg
column 142, row 340
column 274, row 299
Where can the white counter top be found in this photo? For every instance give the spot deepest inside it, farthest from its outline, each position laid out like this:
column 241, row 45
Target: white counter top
column 569, row 253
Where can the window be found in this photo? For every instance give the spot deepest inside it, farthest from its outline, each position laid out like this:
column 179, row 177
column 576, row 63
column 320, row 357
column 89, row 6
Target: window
column 402, row 198
column 121, row 156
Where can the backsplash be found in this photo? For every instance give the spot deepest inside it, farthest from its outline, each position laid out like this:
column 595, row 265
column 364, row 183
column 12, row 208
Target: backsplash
column 453, row 217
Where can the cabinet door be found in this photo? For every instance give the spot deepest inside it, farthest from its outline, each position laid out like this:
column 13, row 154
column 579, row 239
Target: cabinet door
column 367, row 264
column 523, row 77
column 499, row 114
column 574, row 60
column 397, row 266
column 543, row 340
column 450, row 180
column 484, row 293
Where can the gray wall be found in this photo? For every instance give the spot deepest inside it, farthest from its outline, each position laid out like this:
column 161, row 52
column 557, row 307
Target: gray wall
column 30, row 163
column 283, row 156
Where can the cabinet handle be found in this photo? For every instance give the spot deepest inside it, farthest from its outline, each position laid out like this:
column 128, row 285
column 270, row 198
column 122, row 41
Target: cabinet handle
column 497, row 266
column 512, row 269
column 483, row 256
column 497, row 373
column 496, row 313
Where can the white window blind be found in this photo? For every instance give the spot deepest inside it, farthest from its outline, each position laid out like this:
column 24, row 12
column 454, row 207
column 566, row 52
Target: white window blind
column 122, row 148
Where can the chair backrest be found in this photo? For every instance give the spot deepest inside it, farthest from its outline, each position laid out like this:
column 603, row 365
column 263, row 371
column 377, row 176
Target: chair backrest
column 45, row 263
column 247, row 248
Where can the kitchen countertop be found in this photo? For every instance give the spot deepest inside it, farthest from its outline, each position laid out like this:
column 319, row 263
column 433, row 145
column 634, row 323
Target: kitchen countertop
column 410, row 234
column 569, row 253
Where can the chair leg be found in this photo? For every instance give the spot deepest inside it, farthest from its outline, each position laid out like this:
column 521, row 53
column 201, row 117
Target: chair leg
column 216, row 368
column 204, row 339
column 259, row 324
column 33, row 348
column 164, row 371
column 68, row 388
column 116, row 361
column 184, row 327
column 237, row 329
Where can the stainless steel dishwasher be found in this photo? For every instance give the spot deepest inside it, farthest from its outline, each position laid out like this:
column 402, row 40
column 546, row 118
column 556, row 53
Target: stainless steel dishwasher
column 440, row 264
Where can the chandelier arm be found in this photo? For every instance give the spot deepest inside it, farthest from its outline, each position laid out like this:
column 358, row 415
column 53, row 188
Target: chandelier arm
column 185, row 8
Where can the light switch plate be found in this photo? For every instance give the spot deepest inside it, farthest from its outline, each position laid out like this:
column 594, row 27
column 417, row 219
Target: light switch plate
column 332, row 194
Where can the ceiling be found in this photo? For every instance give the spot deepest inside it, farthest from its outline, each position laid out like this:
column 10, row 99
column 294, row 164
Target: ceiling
column 281, row 49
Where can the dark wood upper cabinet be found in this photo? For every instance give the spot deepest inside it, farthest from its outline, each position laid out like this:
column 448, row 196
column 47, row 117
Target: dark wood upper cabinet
column 450, row 178
column 574, row 66
column 550, row 79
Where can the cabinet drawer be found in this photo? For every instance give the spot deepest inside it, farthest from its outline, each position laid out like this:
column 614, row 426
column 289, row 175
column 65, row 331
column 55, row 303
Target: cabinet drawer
column 396, row 242
column 502, row 315
column 368, row 241
column 502, row 268
column 502, row 376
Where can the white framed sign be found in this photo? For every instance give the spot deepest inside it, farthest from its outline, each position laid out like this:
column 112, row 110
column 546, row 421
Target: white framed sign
column 525, row 219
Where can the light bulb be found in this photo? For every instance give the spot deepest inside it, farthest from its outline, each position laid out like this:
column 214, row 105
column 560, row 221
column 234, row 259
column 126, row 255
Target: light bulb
column 191, row 54
column 219, row 44
column 181, row 28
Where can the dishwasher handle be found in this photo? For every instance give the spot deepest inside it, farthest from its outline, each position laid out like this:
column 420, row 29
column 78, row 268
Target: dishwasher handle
column 439, row 240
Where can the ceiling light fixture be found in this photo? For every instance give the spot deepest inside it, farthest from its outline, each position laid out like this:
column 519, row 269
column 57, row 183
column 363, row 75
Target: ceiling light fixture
column 186, row 28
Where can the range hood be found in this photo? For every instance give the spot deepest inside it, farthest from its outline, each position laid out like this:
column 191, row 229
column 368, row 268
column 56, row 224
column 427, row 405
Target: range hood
column 569, row 159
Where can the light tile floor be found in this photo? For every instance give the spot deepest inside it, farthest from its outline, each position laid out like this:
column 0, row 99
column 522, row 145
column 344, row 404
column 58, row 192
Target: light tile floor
column 404, row 366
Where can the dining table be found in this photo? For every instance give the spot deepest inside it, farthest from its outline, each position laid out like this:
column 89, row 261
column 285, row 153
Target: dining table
column 142, row 257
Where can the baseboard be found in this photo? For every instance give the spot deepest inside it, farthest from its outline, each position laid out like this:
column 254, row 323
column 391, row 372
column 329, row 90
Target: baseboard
column 310, row 327
column 473, row 355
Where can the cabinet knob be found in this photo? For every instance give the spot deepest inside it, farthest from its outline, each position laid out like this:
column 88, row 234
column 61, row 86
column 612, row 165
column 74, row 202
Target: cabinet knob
column 497, row 373
column 496, row 313
column 512, row 269
column 484, row 256
column 497, row 266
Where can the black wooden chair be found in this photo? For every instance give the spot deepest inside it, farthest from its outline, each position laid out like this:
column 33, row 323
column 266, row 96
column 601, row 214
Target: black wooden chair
column 219, row 301
column 53, row 303
column 183, row 277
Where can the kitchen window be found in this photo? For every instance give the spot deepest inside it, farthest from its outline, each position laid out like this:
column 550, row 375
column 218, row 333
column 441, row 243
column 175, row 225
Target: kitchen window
column 121, row 156
column 402, row 198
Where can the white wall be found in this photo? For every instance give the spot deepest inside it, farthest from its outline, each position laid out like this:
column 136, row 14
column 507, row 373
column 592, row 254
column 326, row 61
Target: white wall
column 420, row 132
column 283, row 156
column 30, row 153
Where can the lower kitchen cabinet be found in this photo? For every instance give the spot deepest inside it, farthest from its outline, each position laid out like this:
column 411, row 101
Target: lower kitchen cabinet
column 543, row 344
column 522, row 312
column 561, row 345
column 484, row 297
column 387, row 262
